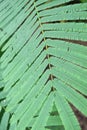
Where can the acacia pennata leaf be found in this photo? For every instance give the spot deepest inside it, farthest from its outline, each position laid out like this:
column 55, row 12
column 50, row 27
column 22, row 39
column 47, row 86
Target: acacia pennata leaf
column 43, row 64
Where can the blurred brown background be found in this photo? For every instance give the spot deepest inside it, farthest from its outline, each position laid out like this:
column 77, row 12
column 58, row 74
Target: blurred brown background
column 81, row 118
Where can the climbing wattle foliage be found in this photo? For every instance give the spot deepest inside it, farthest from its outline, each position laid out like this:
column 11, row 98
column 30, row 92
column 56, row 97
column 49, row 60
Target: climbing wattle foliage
column 43, row 64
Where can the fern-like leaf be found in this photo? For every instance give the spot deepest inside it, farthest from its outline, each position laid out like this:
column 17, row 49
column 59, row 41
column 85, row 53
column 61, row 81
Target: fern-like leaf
column 43, row 64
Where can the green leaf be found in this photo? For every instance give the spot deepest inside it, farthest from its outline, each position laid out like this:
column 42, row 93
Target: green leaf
column 66, row 113
column 43, row 64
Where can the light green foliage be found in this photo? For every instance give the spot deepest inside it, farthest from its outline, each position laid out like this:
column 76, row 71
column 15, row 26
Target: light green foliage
column 43, row 64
